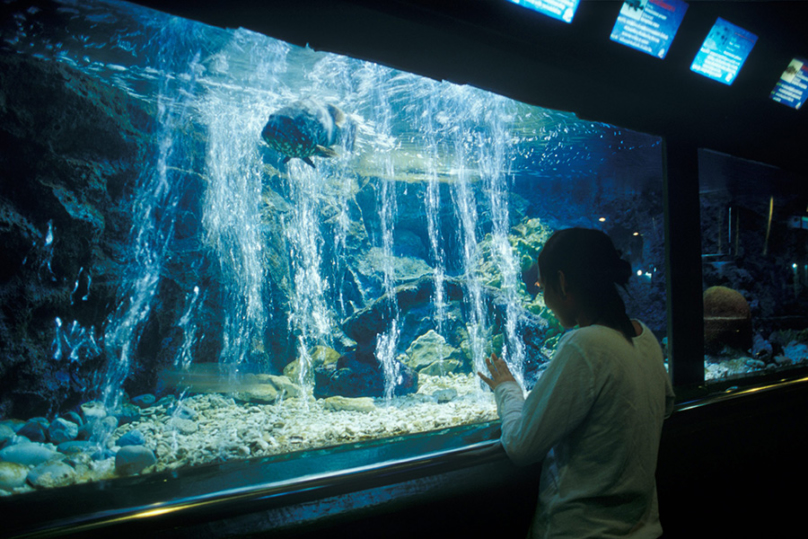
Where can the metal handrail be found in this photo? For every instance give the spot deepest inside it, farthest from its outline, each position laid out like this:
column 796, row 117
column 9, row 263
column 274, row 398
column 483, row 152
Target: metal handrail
column 282, row 492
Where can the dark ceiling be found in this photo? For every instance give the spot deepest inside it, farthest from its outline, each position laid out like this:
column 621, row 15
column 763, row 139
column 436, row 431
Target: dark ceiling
column 507, row 49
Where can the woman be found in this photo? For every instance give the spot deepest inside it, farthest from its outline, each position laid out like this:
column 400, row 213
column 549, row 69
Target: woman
column 595, row 415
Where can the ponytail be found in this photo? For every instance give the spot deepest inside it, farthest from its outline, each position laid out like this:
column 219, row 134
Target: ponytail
column 594, row 269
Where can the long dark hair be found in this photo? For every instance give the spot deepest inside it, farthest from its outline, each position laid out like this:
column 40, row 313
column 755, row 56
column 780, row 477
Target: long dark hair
column 593, row 269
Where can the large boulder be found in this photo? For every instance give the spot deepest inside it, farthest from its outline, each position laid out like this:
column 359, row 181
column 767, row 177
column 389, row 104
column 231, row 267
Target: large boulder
column 359, row 374
column 431, row 354
column 727, row 320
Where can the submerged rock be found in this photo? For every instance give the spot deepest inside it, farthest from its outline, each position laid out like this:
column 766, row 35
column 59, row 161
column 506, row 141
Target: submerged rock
column 93, row 410
column 133, row 437
column 442, row 367
column 52, row 474
column 34, row 431
column 445, row 395
column 30, row 454
column 73, row 417
column 431, row 353
column 73, row 447
column 126, row 413
column 727, row 319
column 359, row 374
column 133, row 459
column 13, row 424
column 62, row 430
column 12, row 475
column 98, row 428
column 6, row 434
column 796, row 351
column 144, row 401
column 72, row 148
column 184, row 426
column 361, row 404
column 259, row 394
column 320, row 355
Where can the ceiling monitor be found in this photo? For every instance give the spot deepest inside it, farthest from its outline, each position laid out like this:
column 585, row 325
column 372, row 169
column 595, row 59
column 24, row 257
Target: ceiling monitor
column 792, row 88
column 563, row 10
column 649, row 25
column 723, row 52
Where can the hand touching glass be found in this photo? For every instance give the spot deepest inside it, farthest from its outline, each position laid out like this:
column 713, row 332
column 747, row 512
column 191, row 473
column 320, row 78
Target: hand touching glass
column 499, row 372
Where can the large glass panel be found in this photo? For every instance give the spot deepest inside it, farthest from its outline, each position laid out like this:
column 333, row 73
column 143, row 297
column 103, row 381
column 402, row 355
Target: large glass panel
column 754, row 229
column 222, row 246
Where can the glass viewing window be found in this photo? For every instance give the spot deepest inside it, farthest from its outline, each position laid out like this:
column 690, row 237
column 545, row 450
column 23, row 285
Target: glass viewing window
column 754, row 267
column 276, row 297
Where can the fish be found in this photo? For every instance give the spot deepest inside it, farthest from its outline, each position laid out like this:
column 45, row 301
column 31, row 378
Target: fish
column 207, row 378
column 304, row 129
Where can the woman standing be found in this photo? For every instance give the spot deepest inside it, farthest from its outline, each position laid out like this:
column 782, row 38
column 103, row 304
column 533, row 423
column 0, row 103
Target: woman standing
column 595, row 415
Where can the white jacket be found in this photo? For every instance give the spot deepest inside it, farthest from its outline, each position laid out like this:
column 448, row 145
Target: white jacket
column 595, row 419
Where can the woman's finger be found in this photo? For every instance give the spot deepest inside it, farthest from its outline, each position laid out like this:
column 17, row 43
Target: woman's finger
column 489, row 382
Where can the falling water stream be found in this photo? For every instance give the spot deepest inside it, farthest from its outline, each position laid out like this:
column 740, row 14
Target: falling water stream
column 155, row 203
column 213, row 91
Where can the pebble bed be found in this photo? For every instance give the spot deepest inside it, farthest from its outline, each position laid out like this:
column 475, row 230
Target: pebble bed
column 172, row 433
column 213, row 427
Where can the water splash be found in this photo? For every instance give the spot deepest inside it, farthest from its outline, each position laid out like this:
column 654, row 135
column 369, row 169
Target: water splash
column 76, row 285
column 232, row 201
column 45, row 254
column 494, row 162
column 156, row 200
column 386, row 343
column 189, row 329
column 74, row 342
column 460, row 99
column 309, row 317
column 433, row 205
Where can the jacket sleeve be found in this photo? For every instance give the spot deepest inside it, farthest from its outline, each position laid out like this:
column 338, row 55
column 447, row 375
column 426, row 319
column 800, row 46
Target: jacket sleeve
column 557, row 405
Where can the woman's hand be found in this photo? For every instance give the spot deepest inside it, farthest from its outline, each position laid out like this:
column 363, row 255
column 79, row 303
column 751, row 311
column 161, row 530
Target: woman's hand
column 499, row 372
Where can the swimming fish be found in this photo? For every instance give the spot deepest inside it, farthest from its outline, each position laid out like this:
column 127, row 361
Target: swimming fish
column 304, row 129
column 207, row 378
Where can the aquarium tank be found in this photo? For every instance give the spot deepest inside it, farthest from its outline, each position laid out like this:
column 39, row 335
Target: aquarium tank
column 219, row 246
column 754, row 238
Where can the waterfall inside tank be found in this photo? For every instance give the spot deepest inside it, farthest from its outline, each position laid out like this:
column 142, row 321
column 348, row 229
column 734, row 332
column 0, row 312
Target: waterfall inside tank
column 384, row 273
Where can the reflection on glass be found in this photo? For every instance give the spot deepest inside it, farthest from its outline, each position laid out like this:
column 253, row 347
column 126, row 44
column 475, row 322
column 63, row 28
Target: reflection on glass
column 754, row 265
column 230, row 247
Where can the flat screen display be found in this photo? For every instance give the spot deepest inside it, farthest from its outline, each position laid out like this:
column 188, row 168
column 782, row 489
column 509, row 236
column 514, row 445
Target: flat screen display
column 649, row 25
column 723, row 53
column 792, row 88
column 563, row 10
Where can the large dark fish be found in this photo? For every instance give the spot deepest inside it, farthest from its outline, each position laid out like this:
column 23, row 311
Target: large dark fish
column 303, row 129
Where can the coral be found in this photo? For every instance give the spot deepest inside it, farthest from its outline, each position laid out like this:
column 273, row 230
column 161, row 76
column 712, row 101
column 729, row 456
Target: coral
column 727, row 319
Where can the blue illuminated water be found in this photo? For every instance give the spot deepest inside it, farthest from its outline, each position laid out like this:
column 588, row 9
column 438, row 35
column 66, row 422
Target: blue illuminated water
column 421, row 226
